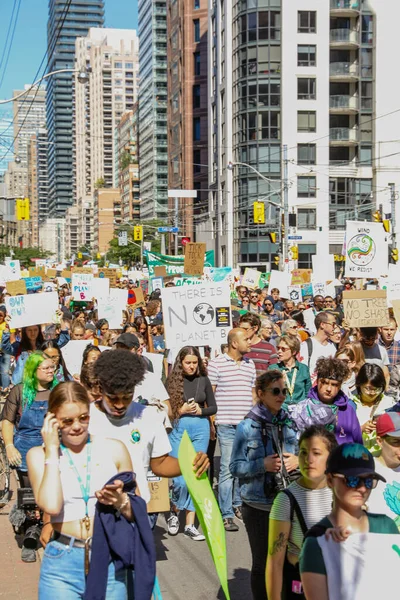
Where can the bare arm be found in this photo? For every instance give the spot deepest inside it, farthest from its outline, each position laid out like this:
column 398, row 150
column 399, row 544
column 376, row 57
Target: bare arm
column 278, row 536
column 167, row 466
column 45, row 479
column 387, row 375
column 254, row 394
column 315, row 586
column 7, row 430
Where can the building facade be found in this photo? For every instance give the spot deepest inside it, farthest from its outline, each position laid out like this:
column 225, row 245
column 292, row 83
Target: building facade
column 187, row 108
column 72, row 231
column 31, row 235
column 42, row 175
column 153, row 155
column 126, row 164
column 106, row 217
column 6, row 137
column 29, row 115
column 52, row 238
column 74, row 19
column 276, row 83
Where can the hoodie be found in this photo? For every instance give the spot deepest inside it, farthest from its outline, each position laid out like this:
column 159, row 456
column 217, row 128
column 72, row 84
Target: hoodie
column 338, row 417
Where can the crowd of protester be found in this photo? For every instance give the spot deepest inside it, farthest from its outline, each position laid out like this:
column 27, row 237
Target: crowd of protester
column 303, row 415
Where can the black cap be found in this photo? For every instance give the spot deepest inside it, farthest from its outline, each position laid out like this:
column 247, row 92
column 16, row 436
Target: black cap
column 129, row 340
column 352, row 459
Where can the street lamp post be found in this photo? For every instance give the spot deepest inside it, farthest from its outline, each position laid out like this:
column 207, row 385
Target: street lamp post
column 83, row 77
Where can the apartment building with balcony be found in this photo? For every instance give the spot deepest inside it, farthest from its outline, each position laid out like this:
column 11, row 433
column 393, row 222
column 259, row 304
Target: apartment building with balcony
column 42, row 173
column 126, row 165
column 72, row 231
column 311, row 78
column 31, row 233
column 153, row 155
column 29, row 115
column 106, row 217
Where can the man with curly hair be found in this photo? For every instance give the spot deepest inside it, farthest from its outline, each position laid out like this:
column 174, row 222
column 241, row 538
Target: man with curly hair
column 139, row 427
column 328, row 405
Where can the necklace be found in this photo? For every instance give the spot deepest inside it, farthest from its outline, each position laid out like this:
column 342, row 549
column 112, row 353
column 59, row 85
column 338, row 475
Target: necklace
column 85, row 489
column 290, row 384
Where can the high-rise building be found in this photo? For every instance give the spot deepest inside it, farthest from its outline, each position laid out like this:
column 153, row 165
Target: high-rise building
column 187, row 108
column 106, row 215
column 31, row 233
column 79, row 16
column 153, row 156
column 126, row 167
column 277, row 83
column 52, row 238
column 6, row 137
column 72, row 231
column 42, row 175
column 29, row 115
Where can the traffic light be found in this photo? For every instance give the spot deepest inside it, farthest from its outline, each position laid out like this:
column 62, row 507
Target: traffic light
column 138, row 233
column 259, row 212
column 79, row 254
column 295, row 252
column 98, row 255
column 377, row 217
column 272, row 237
column 395, row 255
column 386, row 225
column 22, row 209
column 276, row 260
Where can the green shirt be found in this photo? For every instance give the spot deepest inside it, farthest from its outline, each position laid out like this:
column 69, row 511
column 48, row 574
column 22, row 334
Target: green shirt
column 311, row 558
column 302, row 383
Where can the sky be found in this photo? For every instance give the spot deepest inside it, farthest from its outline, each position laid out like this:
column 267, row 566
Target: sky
column 29, row 44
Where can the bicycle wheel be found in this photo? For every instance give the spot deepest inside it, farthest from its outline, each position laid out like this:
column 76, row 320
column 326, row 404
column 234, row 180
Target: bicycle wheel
column 4, row 476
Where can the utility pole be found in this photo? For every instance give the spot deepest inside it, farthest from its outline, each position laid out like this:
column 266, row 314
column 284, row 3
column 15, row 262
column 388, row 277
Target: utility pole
column 176, row 220
column 393, row 211
column 285, row 241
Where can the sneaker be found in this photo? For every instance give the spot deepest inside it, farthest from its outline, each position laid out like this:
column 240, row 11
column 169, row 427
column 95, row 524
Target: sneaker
column 238, row 512
column 28, row 555
column 173, row 523
column 193, row 533
column 229, row 525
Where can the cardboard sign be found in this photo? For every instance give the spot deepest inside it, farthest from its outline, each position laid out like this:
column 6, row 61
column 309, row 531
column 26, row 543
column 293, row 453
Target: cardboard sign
column 159, row 493
column 144, row 284
column 366, row 250
column 137, row 298
column 66, row 274
column 110, row 274
column 33, row 283
column 15, row 269
column 300, row 276
column 190, row 314
column 160, row 271
column 37, row 272
column 365, row 308
column 251, row 279
column 194, row 258
column 111, row 308
column 16, row 287
column 51, row 273
column 82, row 286
column 396, row 310
column 32, row 309
column 82, row 270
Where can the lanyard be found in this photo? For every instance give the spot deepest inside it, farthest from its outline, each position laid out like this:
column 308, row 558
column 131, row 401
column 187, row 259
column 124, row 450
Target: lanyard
column 290, row 385
column 84, row 489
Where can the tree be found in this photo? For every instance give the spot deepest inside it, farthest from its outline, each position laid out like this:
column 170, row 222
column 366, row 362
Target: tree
column 125, row 160
column 24, row 255
column 130, row 254
column 100, row 183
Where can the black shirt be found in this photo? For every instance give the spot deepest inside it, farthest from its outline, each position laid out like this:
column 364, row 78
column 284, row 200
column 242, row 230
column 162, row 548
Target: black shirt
column 199, row 388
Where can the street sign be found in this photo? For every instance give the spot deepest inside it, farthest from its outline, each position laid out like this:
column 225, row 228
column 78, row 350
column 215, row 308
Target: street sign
column 168, row 230
column 123, row 238
column 295, row 237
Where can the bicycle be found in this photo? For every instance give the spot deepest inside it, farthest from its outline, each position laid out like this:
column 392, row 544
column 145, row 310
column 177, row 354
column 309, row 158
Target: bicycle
column 5, row 475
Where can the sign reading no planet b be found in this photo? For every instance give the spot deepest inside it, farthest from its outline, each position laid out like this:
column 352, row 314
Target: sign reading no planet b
column 366, row 250
column 196, row 314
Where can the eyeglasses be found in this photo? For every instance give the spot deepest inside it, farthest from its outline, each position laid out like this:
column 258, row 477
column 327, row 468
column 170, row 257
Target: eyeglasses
column 283, row 348
column 82, row 420
column 253, row 297
column 277, row 391
column 49, row 368
column 371, row 391
column 355, row 481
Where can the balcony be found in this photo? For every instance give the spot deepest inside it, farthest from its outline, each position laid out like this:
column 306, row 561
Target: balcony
column 343, row 136
column 344, row 38
column 344, row 71
column 345, row 8
column 344, row 105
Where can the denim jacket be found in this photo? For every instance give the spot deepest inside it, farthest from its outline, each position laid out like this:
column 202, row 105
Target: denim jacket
column 247, row 459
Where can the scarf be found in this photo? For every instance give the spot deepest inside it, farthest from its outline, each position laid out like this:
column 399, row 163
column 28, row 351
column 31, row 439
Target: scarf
column 261, row 414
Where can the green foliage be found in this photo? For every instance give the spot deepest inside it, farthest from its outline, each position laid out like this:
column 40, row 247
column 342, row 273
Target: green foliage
column 131, row 253
column 100, row 183
column 24, row 255
column 125, row 160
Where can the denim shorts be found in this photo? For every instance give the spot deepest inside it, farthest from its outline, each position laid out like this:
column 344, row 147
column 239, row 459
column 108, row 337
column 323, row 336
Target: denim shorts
column 62, row 575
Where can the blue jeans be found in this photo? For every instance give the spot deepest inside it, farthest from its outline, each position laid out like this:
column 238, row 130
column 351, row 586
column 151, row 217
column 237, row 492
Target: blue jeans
column 228, row 487
column 62, row 575
column 198, row 429
column 5, row 361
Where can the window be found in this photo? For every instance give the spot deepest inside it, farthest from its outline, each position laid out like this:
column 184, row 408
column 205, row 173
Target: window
column 306, row 251
column 306, row 88
column 196, row 57
column 306, row 187
column 118, row 65
column 196, row 161
column 307, row 21
column 196, row 129
column 128, row 65
column 306, row 56
column 196, row 26
column 306, row 120
column 196, row 96
column 306, row 154
column 196, row 4
column 306, row 218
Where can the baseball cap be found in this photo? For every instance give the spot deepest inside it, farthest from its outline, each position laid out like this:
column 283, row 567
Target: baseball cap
column 388, row 424
column 129, row 340
column 352, row 459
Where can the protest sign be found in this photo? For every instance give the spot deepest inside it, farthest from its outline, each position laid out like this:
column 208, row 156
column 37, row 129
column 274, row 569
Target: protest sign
column 82, row 286
column 366, row 250
column 66, row 274
column 111, row 308
column 14, row 268
column 219, row 274
column 194, row 258
column 136, row 299
column 174, row 264
column 110, row 274
column 319, row 289
column 156, row 283
column 309, row 318
column 280, row 280
column 73, row 355
column 32, row 309
column 365, row 308
column 190, row 314
column 396, row 311
column 51, row 273
column 187, row 281
column 294, row 293
column 307, row 292
column 160, row 271
column 16, row 287
column 323, row 267
column 144, row 284
column 100, row 287
column 82, row 270
column 251, row 279
column 207, row 510
column 300, row 276
column 264, row 280
column 33, row 283
column 37, row 271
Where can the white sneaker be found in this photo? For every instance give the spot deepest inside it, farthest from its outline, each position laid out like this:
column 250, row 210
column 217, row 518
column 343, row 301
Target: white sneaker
column 192, row 533
column 173, row 523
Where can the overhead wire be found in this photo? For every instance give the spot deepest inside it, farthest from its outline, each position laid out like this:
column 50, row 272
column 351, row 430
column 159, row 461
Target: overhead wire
column 11, row 43
column 8, row 34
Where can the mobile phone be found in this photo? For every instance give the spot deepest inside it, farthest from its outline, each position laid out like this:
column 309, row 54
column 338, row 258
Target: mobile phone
column 190, row 401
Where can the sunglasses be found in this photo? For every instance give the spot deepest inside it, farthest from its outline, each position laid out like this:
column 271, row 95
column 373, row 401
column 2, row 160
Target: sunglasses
column 83, row 420
column 355, row 481
column 277, row 391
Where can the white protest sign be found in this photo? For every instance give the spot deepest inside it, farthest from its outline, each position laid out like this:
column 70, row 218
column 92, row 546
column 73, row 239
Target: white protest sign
column 319, row 289
column 198, row 315
column 14, row 268
column 280, row 280
column 111, row 308
column 32, row 309
column 100, row 287
column 73, row 354
column 309, row 318
column 294, row 293
column 323, row 266
column 82, row 286
column 366, row 250
column 251, row 278
column 157, row 362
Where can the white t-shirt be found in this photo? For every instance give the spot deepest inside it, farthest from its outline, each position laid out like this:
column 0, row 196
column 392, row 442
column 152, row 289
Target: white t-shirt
column 385, row 498
column 142, row 431
column 319, row 351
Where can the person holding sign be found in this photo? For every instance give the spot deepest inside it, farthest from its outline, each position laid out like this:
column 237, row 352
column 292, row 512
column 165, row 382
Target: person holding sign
column 31, row 340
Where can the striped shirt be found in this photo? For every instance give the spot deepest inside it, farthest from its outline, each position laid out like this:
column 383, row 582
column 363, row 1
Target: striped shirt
column 234, row 383
column 263, row 355
column 314, row 504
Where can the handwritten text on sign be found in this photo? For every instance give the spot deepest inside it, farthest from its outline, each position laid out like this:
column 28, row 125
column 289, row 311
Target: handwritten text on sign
column 82, row 286
column 365, row 308
column 32, row 309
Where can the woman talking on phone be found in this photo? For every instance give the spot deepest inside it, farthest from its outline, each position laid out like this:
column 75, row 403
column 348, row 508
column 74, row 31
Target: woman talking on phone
column 191, row 402
column 68, row 474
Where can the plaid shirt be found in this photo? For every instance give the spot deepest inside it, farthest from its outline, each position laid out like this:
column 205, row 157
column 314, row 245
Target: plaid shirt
column 393, row 352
